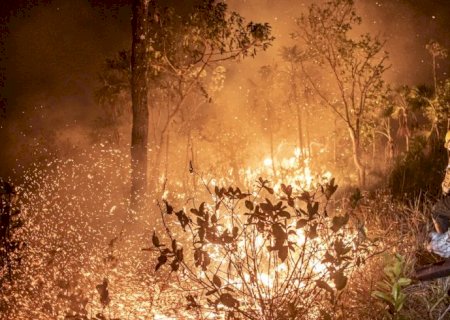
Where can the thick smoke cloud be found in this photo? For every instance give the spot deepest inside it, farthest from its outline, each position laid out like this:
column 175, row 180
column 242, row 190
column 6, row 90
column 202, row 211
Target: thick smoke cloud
column 52, row 51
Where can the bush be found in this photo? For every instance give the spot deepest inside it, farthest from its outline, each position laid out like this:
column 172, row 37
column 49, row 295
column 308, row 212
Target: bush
column 420, row 171
column 259, row 255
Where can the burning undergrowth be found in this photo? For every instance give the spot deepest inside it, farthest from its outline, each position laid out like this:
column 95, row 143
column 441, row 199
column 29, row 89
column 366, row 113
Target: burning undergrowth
column 262, row 255
column 271, row 251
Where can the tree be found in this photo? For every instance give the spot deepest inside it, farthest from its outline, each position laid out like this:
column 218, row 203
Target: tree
column 356, row 67
column 437, row 52
column 139, row 103
column 183, row 41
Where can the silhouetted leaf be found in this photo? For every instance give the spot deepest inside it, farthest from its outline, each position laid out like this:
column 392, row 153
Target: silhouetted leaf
column 312, row 232
column 340, row 280
column 283, row 253
column 217, row 282
column 228, row 300
column 338, row 222
column 161, row 261
column 355, row 198
column 301, row 223
column 249, row 205
column 169, row 208
column 155, row 240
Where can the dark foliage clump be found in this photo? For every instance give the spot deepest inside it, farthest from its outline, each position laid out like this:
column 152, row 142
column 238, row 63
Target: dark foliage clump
column 420, row 171
column 10, row 223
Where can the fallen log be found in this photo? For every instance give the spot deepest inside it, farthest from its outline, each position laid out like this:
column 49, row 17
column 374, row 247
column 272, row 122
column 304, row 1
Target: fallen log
column 434, row 271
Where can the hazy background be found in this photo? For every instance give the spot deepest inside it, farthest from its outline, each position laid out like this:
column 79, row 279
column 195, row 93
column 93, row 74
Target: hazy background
column 52, row 51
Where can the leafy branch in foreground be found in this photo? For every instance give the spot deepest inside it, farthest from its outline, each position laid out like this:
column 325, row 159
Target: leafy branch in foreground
column 256, row 255
column 391, row 288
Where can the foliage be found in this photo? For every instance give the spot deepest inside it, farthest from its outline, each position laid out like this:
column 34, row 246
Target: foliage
column 259, row 256
column 391, row 288
column 420, row 171
column 187, row 43
column 353, row 66
column 10, row 245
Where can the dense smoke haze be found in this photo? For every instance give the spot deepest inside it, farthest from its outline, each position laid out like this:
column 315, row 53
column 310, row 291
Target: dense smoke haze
column 52, row 52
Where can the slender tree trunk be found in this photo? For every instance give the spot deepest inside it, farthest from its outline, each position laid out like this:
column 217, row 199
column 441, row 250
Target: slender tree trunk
column 272, row 152
column 356, row 149
column 298, row 112
column 308, row 140
column 187, row 161
column 434, row 76
column 335, row 142
column 299, row 128
column 139, row 90
column 194, row 163
column 374, row 147
column 166, row 162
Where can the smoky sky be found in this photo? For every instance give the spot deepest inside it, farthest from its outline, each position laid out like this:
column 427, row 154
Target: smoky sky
column 51, row 52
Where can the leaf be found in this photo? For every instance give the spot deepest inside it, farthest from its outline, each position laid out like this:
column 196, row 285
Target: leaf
column 340, row 280
column 155, row 240
column 270, row 190
column 340, row 248
column 206, row 260
column 191, row 302
column 162, row 259
column 201, row 209
column 278, row 232
column 228, row 300
column 301, row 223
column 330, row 189
column 338, row 222
column 175, row 265
column 313, row 209
column 355, row 198
column 312, row 232
column 235, row 232
column 217, row 192
column 403, row 282
column 285, row 214
column 174, row 245
column 169, row 208
column 283, row 253
column 286, row 189
column 179, row 255
column 217, row 282
column 183, row 219
column 382, row 296
column 249, row 205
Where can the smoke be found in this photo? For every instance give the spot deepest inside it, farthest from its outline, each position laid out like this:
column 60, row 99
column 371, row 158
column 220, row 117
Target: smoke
column 52, row 51
column 52, row 54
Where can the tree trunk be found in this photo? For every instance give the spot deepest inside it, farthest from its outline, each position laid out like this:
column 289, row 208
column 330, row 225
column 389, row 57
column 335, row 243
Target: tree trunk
column 139, row 134
column 308, row 139
column 270, row 127
column 374, row 147
column 356, row 149
column 299, row 130
column 335, row 142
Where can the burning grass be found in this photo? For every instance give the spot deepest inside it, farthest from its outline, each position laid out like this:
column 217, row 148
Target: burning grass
column 274, row 252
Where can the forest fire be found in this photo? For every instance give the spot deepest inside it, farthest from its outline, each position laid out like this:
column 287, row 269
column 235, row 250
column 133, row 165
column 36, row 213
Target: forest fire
column 181, row 160
column 293, row 171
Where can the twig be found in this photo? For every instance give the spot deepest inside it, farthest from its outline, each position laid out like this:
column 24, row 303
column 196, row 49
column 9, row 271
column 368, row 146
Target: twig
column 445, row 312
